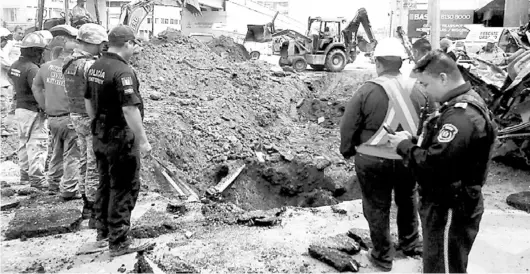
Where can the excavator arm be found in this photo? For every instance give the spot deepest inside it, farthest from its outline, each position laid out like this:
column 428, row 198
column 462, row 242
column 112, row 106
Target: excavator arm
column 350, row 32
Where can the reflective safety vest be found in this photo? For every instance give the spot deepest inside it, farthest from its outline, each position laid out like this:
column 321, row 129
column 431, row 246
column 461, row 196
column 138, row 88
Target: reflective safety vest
column 400, row 111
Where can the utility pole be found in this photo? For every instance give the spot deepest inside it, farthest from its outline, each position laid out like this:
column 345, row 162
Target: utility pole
column 515, row 13
column 153, row 20
column 40, row 14
column 434, row 15
column 66, row 12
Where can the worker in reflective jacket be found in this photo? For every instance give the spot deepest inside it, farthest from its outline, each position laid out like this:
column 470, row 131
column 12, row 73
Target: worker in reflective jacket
column 450, row 162
column 390, row 99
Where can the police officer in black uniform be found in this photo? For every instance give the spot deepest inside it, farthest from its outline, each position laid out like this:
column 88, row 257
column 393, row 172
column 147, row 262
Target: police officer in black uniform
column 114, row 103
column 450, row 161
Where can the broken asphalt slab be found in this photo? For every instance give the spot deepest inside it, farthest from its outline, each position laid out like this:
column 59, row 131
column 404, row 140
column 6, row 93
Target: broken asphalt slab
column 8, row 204
column 39, row 222
column 520, row 200
column 154, row 223
column 338, row 260
column 340, row 242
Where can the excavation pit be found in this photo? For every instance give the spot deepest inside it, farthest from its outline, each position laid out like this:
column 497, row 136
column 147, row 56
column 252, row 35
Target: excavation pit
column 325, row 112
column 264, row 186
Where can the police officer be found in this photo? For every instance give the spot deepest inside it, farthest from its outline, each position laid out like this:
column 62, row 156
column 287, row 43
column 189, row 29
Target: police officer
column 450, row 162
column 420, row 48
column 30, row 119
column 91, row 38
column 113, row 100
column 389, row 99
column 48, row 88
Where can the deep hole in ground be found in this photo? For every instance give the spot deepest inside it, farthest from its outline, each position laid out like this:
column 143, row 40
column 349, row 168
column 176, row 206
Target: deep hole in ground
column 331, row 110
column 264, row 186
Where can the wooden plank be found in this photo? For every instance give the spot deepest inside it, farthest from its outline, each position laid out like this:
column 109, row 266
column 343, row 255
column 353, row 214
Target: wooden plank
column 226, row 183
column 175, row 186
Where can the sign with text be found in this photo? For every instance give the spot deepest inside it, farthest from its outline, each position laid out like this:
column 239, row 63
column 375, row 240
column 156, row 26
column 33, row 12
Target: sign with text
column 452, row 22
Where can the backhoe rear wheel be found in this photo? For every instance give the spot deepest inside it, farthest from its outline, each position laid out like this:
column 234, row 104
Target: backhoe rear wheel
column 336, row 60
column 300, row 64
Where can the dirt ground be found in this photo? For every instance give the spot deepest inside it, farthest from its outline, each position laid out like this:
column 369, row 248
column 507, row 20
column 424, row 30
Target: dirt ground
column 209, row 119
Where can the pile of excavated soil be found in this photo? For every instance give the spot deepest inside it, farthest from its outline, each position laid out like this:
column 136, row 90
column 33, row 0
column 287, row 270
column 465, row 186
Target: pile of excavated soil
column 226, row 47
column 203, row 110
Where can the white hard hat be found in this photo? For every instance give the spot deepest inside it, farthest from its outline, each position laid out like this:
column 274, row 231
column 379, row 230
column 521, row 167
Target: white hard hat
column 36, row 39
column 389, row 47
column 4, row 32
column 491, row 39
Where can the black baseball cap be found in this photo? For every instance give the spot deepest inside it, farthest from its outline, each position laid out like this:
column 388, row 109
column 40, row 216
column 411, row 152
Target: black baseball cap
column 123, row 33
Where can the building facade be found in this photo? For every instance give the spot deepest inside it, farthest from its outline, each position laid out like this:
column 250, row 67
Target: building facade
column 282, row 6
column 165, row 16
column 24, row 12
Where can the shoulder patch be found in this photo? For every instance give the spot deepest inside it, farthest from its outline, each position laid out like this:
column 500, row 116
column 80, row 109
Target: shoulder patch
column 461, row 105
column 128, row 91
column 126, row 81
column 447, row 133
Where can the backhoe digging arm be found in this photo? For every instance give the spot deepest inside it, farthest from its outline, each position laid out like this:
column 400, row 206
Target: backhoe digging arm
column 350, row 32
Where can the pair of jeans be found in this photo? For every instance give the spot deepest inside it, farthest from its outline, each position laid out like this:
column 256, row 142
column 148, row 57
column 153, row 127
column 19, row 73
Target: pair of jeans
column 32, row 146
column 377, row 178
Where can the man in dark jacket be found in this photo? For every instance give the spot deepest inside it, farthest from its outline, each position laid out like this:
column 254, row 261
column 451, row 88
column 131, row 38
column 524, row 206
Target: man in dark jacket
column 31, row 121
column 450, row 162
column 389, row 99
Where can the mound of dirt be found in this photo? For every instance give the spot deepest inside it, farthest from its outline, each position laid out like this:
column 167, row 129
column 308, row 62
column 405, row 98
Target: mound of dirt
column 226, row 47
column 208, row 110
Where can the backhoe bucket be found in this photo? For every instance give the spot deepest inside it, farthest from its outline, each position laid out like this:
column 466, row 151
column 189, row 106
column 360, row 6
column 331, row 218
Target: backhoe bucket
column 258, row 33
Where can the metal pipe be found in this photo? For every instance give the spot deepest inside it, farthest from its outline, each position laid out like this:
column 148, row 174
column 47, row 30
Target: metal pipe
column 66, row 12
column 40, row 14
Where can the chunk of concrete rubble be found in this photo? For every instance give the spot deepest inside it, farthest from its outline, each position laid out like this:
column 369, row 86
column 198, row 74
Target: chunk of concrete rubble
column 153, row 224
column 36, row 267
column 340, row 242
column 321, row 120
column 520, row 200
column 261, row 217
column 9, row 204
column 39, row 222
column 174, row 264
column 177, row 207
column 7, row 192
column 4, row 184
column 155, row 96
column 27, row 191
column 338, row 260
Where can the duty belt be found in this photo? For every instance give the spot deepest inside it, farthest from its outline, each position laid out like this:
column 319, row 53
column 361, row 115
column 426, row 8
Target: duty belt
column 60, row 115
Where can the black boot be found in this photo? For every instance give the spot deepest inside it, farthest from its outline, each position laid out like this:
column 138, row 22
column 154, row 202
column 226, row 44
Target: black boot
column 87, row 208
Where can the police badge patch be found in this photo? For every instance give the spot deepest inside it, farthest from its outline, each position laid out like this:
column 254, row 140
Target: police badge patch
column 447, row 133
column 126, row 81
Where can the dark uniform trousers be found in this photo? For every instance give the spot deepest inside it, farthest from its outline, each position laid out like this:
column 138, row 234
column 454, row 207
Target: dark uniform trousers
column 378, row 177
column 449, row 232
column 118, row 162
column 451, row 167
